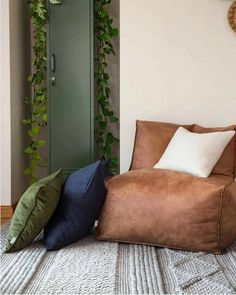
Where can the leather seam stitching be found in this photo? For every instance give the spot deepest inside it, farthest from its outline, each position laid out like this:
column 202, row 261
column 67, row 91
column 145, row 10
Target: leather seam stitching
column 134, row 147
column 235, row 156
column 217, row 251
column 220, row 216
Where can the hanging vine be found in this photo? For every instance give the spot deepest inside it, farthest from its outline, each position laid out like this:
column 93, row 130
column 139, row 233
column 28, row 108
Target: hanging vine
column 37, row 117
column 105, row 32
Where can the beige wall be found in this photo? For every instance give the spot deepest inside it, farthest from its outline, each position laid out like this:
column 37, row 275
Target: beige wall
column 15, row 59
column 5, row 105
column 178, row 64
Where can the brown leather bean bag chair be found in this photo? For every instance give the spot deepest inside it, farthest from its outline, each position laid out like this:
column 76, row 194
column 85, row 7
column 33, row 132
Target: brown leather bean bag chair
column 167, row 208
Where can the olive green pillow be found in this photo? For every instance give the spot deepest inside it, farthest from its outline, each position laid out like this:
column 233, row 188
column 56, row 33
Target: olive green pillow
column 33, row 211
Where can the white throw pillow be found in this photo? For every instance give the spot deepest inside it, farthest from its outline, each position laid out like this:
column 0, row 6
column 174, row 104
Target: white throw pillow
column 194, row 153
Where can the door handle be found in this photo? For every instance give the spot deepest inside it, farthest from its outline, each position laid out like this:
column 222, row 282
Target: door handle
column 53, row 80
column 53, row 63
column 55, row 2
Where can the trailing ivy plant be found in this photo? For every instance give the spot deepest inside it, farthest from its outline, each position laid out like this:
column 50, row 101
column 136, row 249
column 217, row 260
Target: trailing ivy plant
column 37, row 117
column 105, row 32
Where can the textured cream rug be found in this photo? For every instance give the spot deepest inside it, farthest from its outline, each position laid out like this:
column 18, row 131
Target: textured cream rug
column 93, row 267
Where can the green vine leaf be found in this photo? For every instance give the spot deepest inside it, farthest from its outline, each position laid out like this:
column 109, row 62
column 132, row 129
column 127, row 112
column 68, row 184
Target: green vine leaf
column 114, row 119
column 27, row 171
column 30, row 78
column 28, row 150
column 41, row 143
column 36, row 157
column 25, row 122
column 45, row 118
column 34, row 131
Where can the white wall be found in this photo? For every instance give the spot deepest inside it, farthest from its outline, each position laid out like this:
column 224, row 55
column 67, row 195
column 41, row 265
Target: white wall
column 15, row 67
column 178, row 64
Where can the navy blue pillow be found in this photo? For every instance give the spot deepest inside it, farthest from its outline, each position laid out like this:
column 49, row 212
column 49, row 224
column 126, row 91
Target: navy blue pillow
column 82, row 197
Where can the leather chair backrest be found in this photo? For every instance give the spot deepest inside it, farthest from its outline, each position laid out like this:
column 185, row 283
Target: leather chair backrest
column 152, row 138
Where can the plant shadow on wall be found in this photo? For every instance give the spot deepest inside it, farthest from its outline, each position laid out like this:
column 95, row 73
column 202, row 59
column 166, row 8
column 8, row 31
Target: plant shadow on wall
column 36, row 120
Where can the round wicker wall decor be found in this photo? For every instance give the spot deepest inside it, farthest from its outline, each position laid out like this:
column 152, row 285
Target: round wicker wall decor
column 232, row 16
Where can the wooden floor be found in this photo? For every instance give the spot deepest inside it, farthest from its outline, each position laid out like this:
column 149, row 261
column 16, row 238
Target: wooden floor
column 6, row 213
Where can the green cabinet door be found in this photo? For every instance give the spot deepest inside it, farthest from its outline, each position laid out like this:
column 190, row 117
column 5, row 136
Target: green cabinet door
column 70, row 84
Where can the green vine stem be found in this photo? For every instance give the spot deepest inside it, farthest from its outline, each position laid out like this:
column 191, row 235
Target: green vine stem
column 105, row 32
column 36, row 121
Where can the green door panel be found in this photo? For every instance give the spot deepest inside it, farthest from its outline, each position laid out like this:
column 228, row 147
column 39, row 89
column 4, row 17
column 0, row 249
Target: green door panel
column 70, row 85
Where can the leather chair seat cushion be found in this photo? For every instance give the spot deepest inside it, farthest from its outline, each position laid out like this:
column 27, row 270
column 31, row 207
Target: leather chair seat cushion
column 171, row 209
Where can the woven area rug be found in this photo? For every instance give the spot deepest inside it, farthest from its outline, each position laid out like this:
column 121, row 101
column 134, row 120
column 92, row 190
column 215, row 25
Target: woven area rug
column 93, row 267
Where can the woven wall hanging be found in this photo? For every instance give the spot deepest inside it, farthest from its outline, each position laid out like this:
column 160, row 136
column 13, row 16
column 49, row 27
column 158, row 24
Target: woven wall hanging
column 232, row 16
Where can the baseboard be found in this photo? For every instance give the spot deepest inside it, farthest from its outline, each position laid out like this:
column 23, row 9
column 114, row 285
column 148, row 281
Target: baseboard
column 7, row 211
